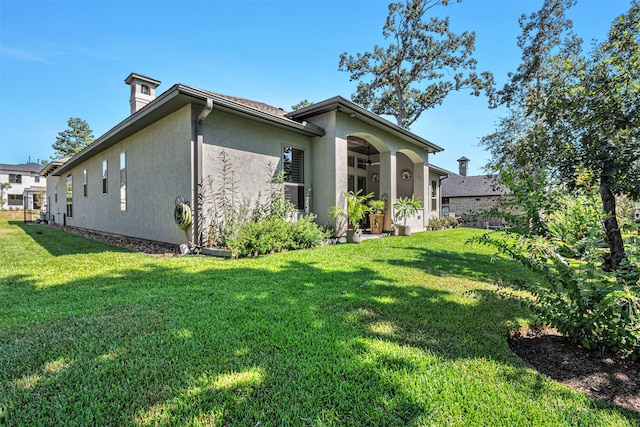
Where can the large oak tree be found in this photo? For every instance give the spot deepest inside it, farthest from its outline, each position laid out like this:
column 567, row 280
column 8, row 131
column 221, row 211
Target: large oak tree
column 582, row 110
column 422, row 61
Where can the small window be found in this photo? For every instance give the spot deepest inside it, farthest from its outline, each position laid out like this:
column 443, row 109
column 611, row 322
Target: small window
column 55, row 194
column 434, row 195
column 145, row 90
column 104, row 177
column 362, row 163
column 445, row 200
column 293, row 166
column 351, row 183
column 15, row 178
column 84, row 183
column 15, row 199
column 69, row 196
column 351, row 161
column 123, row 181
column 362, row 184
column 36, row 178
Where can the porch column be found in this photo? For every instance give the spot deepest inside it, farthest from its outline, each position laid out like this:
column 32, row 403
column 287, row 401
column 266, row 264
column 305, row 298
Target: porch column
column 420, row 174
column 388, row 186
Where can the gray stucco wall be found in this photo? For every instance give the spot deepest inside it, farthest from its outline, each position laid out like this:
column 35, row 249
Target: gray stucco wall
column 253, row 150
column 158, row 162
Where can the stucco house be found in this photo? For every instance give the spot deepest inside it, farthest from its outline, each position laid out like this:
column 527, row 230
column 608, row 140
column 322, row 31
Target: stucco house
column 26, row 186
column 128, row 180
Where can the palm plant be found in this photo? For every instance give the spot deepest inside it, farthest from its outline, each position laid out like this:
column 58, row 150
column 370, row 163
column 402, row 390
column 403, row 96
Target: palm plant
column 357, row 207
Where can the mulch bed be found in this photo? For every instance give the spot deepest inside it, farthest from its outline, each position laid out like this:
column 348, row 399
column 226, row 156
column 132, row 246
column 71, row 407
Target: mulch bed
column 149, row 247
column 599, row 375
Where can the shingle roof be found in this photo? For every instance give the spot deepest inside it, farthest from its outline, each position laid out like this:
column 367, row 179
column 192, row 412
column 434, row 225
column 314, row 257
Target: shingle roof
column 471, row 186
column 23, row 167
column 261, row 106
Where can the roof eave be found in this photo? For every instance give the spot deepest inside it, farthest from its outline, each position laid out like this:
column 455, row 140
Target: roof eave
column 174, row 98
column 224, row 104
column 343, row 105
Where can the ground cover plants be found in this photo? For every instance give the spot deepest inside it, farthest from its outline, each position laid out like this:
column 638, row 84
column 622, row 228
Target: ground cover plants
column 266, row 226
column 395, row 331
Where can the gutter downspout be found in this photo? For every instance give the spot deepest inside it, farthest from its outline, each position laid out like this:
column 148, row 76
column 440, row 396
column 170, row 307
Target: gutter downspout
column 197, row 169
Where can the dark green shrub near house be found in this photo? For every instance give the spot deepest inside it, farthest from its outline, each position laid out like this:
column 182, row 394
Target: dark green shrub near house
column 275, row 235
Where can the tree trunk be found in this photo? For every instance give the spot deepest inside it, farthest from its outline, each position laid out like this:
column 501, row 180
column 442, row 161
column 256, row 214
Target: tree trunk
column 614, row 236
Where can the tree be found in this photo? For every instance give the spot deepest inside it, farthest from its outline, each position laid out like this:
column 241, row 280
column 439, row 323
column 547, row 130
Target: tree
column 422, row 63
column 4, row 186
column 581, row 111
column 74, row 139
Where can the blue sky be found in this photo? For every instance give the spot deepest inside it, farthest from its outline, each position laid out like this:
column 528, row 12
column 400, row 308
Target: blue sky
column 62, row 59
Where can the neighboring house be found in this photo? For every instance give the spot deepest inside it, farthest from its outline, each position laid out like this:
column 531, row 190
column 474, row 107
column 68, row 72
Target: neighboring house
column 128, row 180
column 26, row 189
column 467, row 197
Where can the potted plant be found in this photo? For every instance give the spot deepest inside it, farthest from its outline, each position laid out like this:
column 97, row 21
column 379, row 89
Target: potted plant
column 356, row 210
column 405, row 207
column 376, row 217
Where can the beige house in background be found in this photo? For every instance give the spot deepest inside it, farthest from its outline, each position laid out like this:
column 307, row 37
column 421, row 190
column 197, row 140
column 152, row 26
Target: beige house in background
column 467, row 197
column 128, row 180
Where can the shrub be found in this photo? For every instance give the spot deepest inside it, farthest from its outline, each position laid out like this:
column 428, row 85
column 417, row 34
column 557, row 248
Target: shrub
column 274, row 235
column 305, row 233
column 596, row 311
column 578, row 224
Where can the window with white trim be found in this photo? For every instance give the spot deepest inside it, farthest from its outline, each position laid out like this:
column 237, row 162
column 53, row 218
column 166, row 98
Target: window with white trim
column 293, row 166
column 434, row 195
column 15, row 178
column 84, row 183
column 104, row 176
column 69, row 189
column 15, row 199
column 123, row 181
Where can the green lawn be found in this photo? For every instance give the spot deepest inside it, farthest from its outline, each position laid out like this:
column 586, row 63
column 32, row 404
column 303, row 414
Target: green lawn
column 395, row 331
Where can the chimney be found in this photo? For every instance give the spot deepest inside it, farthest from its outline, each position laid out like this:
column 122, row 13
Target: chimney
column 463, row 164
column 143, row 90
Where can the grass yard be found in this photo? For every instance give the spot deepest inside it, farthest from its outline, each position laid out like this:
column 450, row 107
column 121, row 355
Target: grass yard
column 395, row 331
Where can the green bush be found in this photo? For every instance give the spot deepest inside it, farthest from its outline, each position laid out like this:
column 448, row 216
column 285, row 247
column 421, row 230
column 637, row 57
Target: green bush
column 274, row 235
column 594, row 310
column 578, row 224
column 305, row 233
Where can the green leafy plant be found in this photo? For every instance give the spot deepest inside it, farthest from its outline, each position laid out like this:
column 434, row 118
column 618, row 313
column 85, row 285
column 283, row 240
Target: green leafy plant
column 269, row 226
column 377, row 207
column 406, row 206
column 577, row 222
column 275, row 235
column 596, row 311
column 357, row 207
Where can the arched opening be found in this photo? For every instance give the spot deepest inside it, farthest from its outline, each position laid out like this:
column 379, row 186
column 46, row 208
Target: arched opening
column 365, row 164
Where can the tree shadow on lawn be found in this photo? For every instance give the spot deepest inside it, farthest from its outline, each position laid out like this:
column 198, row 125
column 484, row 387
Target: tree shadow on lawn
column 470, row 265
column 58, row 243
column 242, row 345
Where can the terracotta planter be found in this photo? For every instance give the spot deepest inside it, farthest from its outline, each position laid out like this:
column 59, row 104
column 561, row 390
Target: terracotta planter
column 354, row 236
column 376, row 221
